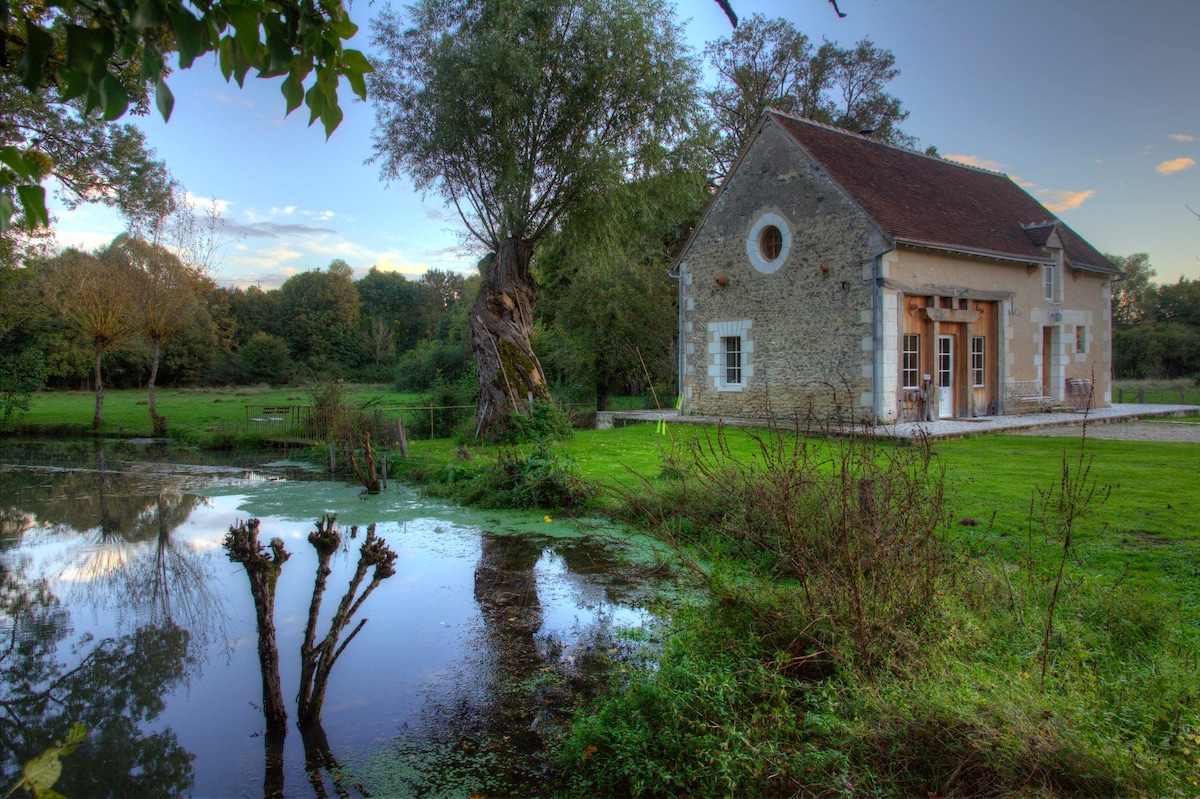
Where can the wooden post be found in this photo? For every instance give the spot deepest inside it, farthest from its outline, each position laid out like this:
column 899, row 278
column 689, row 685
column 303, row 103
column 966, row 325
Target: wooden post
column 332, row 458
column 431, row 420
column 403, row 436
column 1141, row 396
column 1120, row 395
column 383, row 460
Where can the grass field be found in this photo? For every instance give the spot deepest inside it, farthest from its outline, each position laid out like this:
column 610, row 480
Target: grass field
column 191, row 413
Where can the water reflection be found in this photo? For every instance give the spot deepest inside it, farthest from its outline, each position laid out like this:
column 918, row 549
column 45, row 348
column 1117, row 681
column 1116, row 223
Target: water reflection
column 112, row 687
column 479, row 643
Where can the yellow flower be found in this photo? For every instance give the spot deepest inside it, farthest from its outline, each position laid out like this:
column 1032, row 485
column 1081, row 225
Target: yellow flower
column 548, row 519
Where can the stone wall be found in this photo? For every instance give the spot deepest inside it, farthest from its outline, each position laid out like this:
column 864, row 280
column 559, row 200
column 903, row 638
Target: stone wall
column 804, row 318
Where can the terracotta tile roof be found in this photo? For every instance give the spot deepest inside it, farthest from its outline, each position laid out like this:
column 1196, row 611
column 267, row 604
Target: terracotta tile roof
column 928, row 201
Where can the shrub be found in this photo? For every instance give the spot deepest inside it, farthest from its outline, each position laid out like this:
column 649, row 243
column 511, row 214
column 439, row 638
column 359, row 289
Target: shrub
column 420, row 368
column 543, row 480
column 854, row 525
column 546, row 422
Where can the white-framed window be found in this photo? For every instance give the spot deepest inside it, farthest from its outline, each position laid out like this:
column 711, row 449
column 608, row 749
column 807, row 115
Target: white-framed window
column 1050, row 280
column 910, row 362
column 977, row 349
column 1081, row 339
column 730, row 354
column 769, row 243
column 733, row 360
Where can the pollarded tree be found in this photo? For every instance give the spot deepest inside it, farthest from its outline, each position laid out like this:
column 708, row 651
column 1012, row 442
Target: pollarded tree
column 165, row 297
column 98, row 302
column 515, row 112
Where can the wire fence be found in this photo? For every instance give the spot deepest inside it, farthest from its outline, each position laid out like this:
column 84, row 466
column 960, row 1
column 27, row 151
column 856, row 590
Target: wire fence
column 1158, row 396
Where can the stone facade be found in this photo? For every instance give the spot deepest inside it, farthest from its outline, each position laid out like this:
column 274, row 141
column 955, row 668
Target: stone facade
column 804, row 318
column 795, row 300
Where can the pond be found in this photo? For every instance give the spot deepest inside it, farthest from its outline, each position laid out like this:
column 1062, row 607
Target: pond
column 120, row 609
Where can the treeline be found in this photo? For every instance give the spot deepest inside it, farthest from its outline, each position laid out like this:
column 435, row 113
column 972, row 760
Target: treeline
column 1156, row 328
column 80, row 307
column 133, row 314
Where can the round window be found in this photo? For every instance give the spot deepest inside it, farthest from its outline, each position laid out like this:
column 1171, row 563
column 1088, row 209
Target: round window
column 770, row 242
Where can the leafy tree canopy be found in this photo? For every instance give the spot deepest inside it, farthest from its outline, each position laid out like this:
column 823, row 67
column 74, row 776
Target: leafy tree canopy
column 515, row 112
column 105, row 57
column 769, row 64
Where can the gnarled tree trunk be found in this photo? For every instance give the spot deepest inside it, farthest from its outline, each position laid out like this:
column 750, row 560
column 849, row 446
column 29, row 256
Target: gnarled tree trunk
column 501, row 327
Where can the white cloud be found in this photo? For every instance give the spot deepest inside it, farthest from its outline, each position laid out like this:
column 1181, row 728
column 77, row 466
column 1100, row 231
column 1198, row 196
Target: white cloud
column 1175, row 165
column 1060, row 200
column 205, row 204
column 1181, row 137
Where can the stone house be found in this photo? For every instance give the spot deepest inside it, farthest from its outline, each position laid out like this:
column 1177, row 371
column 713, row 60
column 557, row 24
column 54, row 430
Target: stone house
column 838, row 275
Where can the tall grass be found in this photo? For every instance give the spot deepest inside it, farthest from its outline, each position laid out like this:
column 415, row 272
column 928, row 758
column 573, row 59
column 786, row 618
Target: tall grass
column 854, row 644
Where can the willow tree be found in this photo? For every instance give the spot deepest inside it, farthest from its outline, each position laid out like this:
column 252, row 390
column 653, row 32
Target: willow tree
column 165, row 299
column 515, row 112
column 97, row 300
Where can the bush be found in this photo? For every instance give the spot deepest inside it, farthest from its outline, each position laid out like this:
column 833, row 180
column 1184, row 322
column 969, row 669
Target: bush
column 265, row 359
column 855, row 525
column 422, row 367
column 541, row 480
column 547, row 422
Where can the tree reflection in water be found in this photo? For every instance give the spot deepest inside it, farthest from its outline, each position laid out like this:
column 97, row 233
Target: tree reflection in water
column 113, row 687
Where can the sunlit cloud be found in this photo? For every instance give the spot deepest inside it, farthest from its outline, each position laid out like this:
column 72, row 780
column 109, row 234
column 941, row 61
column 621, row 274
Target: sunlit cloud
column 196, row 202
column 269, row 258
column 1181, row 137
column 1175, row 165
column 1057, row 200
column 82, row 240
column 396, row 262
column 974, row 160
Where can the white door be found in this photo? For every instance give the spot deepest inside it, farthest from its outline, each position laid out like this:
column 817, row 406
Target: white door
column 945, row 376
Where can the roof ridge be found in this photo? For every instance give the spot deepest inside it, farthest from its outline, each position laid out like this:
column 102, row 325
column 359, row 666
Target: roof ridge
column 935, row 158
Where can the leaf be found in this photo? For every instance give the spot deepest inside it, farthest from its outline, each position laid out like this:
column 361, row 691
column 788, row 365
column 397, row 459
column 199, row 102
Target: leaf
column 42, row 772
column 245, row 23
column 164, row 99
column 331, row 117
column 225, row 51
column 356, row 61
column 7, row 209
column 189, row 36
column 15, row 160
column 113, row 97
column 358, row 84
column 315, row 102
column 293, row 91
column 33, row 200
column 38, row 46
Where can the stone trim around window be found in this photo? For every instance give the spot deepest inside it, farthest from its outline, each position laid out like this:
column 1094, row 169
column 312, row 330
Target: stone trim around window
column 718, row 334
column 754, row 243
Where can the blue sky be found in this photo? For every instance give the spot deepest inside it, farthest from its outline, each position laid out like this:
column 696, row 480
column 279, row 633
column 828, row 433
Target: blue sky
column 1092, row 105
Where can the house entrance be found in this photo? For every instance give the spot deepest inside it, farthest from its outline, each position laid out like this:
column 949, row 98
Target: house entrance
column 945, row 376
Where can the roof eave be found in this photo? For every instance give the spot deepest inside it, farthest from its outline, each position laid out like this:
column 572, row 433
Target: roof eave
column 978, row 252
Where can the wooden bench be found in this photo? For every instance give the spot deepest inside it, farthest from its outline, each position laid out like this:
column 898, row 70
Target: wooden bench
column 1026, row 396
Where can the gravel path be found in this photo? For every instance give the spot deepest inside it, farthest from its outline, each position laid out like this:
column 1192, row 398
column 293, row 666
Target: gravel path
column 1164, row 430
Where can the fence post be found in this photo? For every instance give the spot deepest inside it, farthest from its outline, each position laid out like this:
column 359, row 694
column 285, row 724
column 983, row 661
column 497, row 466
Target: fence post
column 431, row 421
column 332, row 458
column 403, row 436
column 383, row 459
column 1120, row 395
column 1141, row 396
